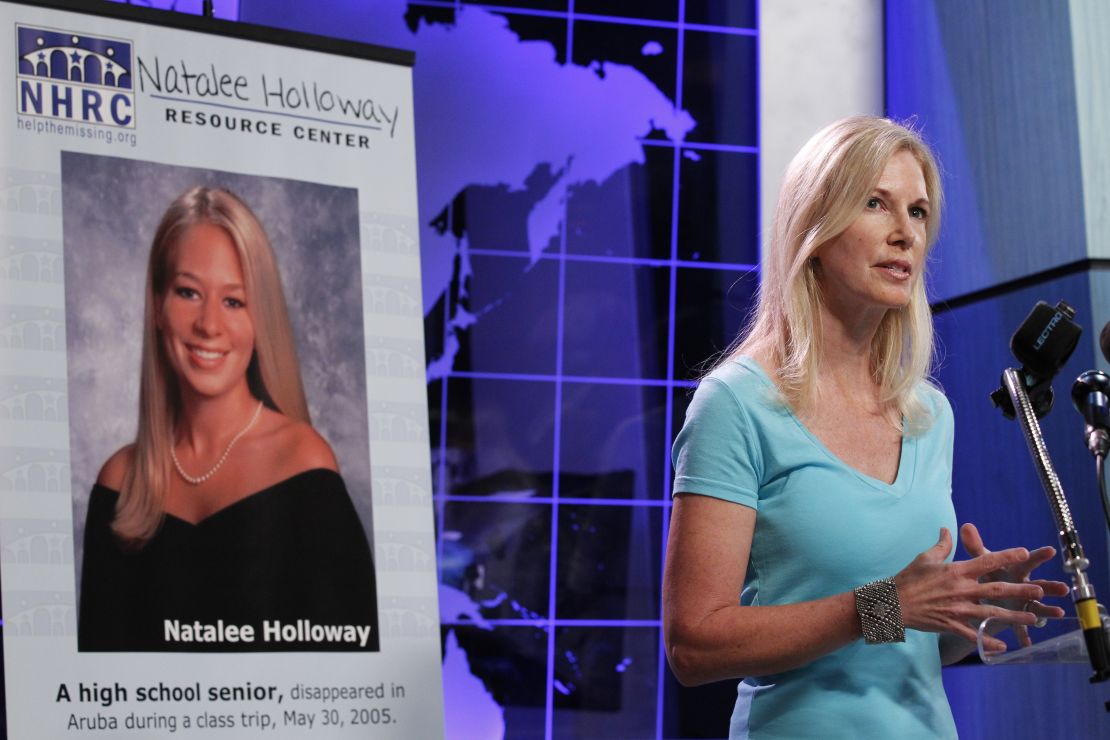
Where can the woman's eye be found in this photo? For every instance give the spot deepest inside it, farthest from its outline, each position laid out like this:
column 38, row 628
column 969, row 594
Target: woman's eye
column 234, row 303
column 184, row 292
column 873, row 202
column 919, row 212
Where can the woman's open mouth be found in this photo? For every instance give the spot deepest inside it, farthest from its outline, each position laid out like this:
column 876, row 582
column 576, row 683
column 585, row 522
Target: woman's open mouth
column 205, row 355
column 897, row 269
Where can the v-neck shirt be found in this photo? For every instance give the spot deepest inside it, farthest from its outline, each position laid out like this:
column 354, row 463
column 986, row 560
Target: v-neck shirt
column 823, row 528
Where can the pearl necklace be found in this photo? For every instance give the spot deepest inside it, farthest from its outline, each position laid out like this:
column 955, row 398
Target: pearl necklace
column 227, row 451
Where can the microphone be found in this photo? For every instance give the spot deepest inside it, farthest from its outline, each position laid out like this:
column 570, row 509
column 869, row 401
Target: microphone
column 1104, row 341
column 1046, row 339
column 1042, row 344
column 1091, row 397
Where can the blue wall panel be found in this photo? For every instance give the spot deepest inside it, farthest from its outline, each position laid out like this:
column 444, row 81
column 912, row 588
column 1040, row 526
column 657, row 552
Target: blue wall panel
column 992, row 87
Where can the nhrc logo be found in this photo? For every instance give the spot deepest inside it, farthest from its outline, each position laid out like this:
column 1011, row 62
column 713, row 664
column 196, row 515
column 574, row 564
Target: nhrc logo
column 77, row 78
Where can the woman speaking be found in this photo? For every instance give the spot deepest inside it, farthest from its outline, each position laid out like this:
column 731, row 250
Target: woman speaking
column 810, row 543
column 226, row 525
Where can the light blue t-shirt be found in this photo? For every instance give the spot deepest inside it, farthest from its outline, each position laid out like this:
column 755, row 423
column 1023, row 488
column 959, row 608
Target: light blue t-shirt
column 823, row 528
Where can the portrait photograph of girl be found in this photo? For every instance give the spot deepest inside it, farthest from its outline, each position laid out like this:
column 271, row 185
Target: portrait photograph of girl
column 218, row 411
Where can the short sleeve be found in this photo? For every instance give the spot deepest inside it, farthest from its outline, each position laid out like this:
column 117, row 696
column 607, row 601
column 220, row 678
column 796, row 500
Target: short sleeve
column 717, row 452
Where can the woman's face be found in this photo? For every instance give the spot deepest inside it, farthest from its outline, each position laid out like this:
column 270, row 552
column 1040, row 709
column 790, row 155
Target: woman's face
column 876, row 261
column 206, row 327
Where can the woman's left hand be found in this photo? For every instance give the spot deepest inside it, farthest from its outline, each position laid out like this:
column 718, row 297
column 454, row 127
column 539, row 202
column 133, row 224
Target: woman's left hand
column 1018, row 573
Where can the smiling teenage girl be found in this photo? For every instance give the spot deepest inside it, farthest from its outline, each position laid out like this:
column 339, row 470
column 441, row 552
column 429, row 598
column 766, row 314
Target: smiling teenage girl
column 229, row 506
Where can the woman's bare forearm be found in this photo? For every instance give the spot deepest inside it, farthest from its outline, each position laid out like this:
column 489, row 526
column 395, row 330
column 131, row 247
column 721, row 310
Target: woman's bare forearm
column 737, row 641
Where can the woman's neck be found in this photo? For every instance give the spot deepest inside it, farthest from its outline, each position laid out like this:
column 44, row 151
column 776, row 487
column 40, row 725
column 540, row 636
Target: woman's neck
column 208, row 423
column 845, row 357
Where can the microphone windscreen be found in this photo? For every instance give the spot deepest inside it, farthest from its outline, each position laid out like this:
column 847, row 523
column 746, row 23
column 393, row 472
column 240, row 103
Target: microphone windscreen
column 1046, row 339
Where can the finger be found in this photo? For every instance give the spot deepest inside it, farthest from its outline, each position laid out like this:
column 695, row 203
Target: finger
column 1033, row 607
column 967, row 628
column 972, row 541
column 1020, row 571
column 1016, row 592
column 984, row 564
column 943, row 548
column 1037, row 558
column 1022, row 633
column 991, row 644
column 968, row 633
column 1009, row 616
column 1045, row 610
column 1043, row 554
column 1053, row 588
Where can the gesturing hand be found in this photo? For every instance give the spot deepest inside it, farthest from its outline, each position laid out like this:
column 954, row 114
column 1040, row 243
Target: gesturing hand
column 1017, row 573
column 948, row 597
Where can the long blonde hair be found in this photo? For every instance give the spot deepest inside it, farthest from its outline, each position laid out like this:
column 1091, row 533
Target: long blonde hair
column 822, row 193
column 273, row 374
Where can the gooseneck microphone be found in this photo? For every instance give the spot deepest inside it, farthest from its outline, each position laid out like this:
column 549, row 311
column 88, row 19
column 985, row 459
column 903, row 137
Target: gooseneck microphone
column 1043, row 344
column 1091, row 397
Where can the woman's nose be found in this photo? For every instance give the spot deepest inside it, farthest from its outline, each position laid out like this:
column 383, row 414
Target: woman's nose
column 208, row 318
column 902, row 232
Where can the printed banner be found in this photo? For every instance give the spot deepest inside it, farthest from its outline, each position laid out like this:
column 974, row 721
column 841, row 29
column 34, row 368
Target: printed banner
column 215, row 497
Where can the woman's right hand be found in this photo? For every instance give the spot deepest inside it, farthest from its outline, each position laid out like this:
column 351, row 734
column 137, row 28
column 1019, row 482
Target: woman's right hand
column 937, row 596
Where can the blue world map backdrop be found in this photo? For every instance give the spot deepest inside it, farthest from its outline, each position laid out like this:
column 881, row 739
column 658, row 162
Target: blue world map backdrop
column 589, row 202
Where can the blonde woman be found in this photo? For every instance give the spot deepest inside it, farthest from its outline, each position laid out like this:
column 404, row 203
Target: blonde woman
column 226, row 520
column 810, row 542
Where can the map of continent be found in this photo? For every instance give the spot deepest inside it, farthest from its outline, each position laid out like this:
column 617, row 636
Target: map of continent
column 491, row 110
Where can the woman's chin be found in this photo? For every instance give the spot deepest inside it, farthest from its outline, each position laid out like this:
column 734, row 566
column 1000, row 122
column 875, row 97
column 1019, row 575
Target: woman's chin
column 210, row 388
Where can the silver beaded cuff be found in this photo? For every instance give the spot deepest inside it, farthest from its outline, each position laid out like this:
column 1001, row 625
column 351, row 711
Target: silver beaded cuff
column 880, row 612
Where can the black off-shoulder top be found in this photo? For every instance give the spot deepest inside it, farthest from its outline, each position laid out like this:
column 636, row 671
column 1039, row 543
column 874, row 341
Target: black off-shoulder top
column 292, row 561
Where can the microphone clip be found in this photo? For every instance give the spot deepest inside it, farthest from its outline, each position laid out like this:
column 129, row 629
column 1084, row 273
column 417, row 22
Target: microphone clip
column 1038, row 389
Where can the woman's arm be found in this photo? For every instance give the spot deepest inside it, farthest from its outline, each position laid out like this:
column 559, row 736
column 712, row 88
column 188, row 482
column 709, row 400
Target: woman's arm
column 709, row 636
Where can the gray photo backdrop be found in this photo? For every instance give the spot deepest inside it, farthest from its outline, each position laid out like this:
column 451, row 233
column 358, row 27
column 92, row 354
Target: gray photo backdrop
column 110, row 208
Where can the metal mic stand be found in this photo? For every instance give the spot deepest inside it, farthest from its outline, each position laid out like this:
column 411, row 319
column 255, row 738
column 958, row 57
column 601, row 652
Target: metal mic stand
column 1075, row 562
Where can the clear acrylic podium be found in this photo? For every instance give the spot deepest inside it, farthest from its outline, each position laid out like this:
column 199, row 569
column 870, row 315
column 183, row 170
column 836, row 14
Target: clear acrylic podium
column 1050, row 641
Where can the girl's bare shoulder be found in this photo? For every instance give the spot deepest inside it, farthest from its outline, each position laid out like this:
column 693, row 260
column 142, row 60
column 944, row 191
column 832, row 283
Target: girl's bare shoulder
column 115, row 468
column 294, row 446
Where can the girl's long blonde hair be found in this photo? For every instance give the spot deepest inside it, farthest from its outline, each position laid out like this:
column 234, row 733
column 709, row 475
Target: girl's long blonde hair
column 273, row 374
column 823, row 191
